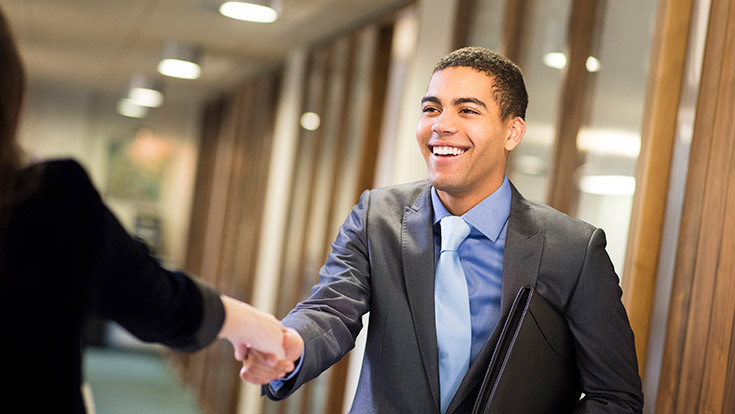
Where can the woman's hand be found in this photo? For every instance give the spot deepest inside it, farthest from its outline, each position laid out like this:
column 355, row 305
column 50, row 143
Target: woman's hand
column 249, row 328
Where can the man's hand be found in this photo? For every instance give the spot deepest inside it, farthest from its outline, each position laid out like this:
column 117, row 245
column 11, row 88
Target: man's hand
column 260, row 368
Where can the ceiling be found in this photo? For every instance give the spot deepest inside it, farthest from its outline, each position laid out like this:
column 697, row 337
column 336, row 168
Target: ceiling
column 102, row 44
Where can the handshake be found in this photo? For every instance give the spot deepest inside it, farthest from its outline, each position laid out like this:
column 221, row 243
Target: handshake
column 267, row 349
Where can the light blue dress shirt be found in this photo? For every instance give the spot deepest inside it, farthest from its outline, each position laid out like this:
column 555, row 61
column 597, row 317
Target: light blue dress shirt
column 481, row 255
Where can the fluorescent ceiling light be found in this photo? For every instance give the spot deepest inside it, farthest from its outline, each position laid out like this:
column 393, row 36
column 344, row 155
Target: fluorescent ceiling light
column 127, row 107
column 310, row 121
column 556, row 60
column 249, row 11
column 607, row 185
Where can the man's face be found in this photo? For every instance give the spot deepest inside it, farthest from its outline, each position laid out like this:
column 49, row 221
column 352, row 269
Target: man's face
column 461, row 136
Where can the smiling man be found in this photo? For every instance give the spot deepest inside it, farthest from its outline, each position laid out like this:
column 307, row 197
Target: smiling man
column 437, row 264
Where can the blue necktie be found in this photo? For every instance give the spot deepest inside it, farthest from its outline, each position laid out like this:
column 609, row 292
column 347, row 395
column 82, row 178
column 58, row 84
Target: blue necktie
column 452, row 310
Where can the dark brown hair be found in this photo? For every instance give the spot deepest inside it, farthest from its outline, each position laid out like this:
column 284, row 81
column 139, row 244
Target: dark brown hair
column 12, row 89
column 509, row 89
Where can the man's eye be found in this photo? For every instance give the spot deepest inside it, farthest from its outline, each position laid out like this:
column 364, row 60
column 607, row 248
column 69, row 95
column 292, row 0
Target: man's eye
column 429, row 109
column 468, row 111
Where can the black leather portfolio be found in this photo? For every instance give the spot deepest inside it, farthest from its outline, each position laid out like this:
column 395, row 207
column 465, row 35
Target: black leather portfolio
column 533, row 368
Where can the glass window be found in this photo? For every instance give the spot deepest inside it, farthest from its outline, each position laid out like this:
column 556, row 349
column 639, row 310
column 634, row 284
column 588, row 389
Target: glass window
column 609, row 142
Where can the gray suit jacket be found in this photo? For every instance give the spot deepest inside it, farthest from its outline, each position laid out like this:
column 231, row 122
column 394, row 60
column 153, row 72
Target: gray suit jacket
column 382, row 262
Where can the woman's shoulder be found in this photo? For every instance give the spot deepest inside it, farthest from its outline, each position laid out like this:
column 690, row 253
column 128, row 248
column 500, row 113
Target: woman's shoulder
column 58, row 169
column 61, row 171
column 63, row 180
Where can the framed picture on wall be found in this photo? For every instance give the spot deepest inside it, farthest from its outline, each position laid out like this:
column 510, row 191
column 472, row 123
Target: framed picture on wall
column 136, row 167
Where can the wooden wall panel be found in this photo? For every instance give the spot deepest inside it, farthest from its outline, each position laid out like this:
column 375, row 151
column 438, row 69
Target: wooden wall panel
column 189, row 365
column 698, row 353
column 321, row 65
column 514, row 33
column 209, row 133
column 668, row 57
column 379, row 84
column 295, row 226
column 218, row 248
column 211, row 238
column 461, row 35
column 728, row 405
column 228, row 203
column 680, row 305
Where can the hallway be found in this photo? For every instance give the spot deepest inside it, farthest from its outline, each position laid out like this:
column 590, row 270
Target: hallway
column 126, row 381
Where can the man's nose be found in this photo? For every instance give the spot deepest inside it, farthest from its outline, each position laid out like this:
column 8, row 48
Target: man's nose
column 444, row 124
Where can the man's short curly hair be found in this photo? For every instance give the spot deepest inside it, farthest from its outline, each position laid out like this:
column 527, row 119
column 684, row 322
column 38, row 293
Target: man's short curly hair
column 509, row 89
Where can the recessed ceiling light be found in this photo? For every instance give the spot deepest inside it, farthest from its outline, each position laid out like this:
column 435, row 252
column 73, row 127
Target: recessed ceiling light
column 556, row 60
column 180, row 61
column 181, row 69
column 145, row 91
column 146, row 97
column 251, row 11
column 310, row 121
column 593, row 64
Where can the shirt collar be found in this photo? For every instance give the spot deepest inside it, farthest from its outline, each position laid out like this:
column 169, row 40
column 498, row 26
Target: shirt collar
column 489, row 216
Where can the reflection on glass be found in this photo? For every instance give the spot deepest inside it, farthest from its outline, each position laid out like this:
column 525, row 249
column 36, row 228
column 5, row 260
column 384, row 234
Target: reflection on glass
column 610, row 141
column 541, row 57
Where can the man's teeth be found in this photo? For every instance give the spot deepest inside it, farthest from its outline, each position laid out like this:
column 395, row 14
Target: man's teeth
column 447, row 150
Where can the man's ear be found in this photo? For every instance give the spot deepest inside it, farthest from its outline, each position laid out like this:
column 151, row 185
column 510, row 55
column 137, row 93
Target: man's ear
column 517, row 129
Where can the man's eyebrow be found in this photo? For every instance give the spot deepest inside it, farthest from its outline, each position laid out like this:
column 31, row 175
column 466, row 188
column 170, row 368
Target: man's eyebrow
column 430, row 98
column 460, row 101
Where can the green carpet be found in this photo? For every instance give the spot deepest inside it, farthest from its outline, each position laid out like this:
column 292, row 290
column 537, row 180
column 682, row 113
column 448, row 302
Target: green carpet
column 132, row 381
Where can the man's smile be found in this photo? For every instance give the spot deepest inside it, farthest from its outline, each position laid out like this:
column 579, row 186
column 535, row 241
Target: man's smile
column 446, row 150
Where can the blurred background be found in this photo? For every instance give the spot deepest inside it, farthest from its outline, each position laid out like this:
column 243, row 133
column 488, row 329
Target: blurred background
column 236, row 148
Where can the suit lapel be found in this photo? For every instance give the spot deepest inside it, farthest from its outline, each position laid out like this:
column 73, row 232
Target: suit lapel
column 521, row 260
column 417, row 241
column 523, row 247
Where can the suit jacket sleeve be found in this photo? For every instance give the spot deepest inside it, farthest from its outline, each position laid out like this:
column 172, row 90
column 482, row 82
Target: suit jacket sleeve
column 605, row 347
column 331, row 318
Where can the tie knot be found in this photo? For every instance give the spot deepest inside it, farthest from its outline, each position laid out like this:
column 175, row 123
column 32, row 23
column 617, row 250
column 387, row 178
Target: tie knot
column 454, row 231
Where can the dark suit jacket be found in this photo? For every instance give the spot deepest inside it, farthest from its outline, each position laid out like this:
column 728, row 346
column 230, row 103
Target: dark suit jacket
column 382, row 262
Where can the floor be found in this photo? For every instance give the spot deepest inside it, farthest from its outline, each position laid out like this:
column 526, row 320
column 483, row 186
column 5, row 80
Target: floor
column 124, row 381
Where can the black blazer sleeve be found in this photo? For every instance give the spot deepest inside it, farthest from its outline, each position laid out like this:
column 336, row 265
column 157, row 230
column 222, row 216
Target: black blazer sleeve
column 126, row 283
